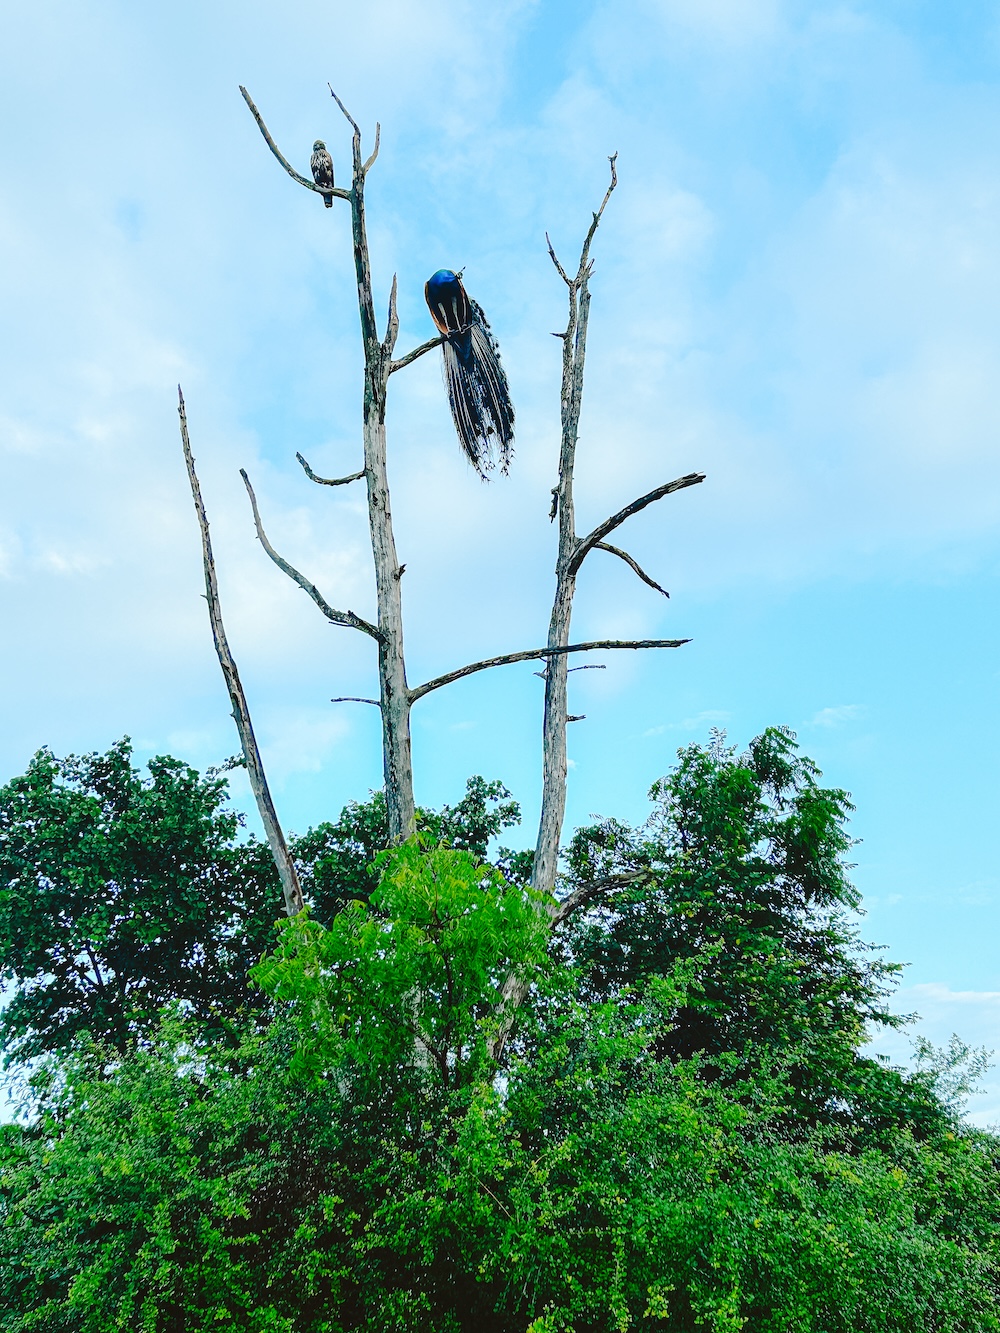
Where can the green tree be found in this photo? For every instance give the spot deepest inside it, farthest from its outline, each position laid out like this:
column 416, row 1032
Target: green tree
column 598, row 1187
column 120, row 894
column 338, row 859
column 416, row 971
column 742, row 865
column 363, row 1164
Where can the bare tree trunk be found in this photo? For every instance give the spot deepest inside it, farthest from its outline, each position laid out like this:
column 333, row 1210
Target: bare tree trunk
column 395, row 695
column 572, row 551
column 394, row 700
column 546, row 862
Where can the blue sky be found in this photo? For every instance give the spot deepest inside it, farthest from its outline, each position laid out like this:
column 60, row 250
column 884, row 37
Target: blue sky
column 796, row 292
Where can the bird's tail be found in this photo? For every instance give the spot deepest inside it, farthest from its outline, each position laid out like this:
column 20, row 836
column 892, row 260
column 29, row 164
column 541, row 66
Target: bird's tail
column 328, row 201
column 479, row 396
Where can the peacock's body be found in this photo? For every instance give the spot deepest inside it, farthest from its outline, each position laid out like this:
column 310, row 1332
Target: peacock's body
column 475, row 379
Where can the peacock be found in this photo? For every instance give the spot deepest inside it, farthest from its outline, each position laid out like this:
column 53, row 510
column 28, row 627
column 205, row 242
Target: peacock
column 473, row 376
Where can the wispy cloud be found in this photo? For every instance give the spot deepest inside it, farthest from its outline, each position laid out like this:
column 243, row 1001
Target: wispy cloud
column 943, row 1011
column 710, row 717
column 838, row 716
column 939, row 993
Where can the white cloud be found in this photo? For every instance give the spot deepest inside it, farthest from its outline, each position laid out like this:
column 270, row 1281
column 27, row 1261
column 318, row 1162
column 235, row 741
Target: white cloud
column 838, row 716
column 936, row 993
column 703, row 721
column 973, row 1015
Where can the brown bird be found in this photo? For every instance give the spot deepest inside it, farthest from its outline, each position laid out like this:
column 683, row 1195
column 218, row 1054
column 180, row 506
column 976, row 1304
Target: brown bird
column 322, row 169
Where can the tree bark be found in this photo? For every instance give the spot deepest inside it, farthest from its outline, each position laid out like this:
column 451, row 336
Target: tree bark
column 572, row 551
column 397, row 760
column 394, row 697
column 553, row 810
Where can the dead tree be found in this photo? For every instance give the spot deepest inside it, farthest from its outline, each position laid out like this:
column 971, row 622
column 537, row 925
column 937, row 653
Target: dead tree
column 396, row 696
column 572, row 552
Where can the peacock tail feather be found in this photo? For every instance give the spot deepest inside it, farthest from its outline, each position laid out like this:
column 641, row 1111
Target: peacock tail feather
column 477, row 388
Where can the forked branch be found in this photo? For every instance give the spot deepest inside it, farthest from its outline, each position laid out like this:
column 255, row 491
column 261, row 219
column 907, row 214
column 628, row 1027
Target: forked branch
column 336, row 191
column 587, row 544
column 584, row 270
column 538, row 654
column 241, row 713
column 366, row 166
column 345, row 618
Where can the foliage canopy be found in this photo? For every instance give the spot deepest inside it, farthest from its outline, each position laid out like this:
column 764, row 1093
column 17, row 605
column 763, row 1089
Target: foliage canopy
column 686, row 1132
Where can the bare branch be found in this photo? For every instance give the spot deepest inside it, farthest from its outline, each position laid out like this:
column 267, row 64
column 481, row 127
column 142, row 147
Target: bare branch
column 633, row 564
column 576, row 717
column 538, row 654
column 586, row 267
column 554, row 757
column 588, row 543
column 417, row 352
column 353, row 699
column 336, row 191
column 560, row 270
column 586, row 893
column 584, row 270
column 591, row 666
column 241, row 713
column 368, row 165
column 328, row 481
column 346, row 618
column 350, row 119
column 392, row 323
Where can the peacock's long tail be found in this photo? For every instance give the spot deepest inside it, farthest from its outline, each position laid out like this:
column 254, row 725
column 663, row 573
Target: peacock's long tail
column 477, row 387
column 479, row 396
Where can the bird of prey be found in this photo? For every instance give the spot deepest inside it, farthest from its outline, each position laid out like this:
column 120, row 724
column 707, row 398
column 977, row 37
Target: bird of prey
column 473, row 376
column 322, row 169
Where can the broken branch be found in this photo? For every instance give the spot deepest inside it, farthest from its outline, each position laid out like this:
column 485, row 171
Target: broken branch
column 392, row 323
column 374, row 154
column 350, row 119
column 585, row 265
column 560, row 270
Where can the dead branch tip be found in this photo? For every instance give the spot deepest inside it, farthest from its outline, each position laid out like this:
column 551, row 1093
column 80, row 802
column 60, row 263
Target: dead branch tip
column 559, row 269
column 353, row 123
column 374, row 153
